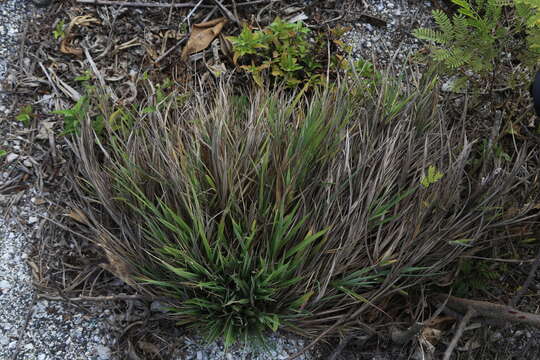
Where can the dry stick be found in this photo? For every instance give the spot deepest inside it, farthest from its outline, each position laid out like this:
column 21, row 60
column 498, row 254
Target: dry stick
column 403, row 337
column 491, row 311
column 180, row 42
column 159, row 5
column 227, row 12
column 530, row 277
column 459, row 333
column 93, row 298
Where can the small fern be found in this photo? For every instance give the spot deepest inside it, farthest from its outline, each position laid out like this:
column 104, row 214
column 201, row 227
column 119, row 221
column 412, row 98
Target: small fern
column 469, row 38
column 529, row 12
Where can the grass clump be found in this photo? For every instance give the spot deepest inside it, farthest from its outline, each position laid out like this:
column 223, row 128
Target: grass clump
column 253, row 213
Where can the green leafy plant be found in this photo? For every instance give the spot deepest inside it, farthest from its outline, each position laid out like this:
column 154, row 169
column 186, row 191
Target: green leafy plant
column 475, row 275
column 87, row 75
column 74, row 116
column 3, row 153
column 529, row 12
column 58, row 31
column 431, row 177
column 470, row 39
column 285, row 51
column 474, row 39
column 25, row 115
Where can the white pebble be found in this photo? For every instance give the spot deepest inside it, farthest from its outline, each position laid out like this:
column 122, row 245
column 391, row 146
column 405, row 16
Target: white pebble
column 4, row 285
column 11, row 157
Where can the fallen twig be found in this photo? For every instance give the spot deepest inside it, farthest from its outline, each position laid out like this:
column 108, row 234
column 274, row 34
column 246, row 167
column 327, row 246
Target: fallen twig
column 160, row 5
column 227, row 12
column 492, row 311
column 404, row 336
column 459, row 333
column 180, row 42
column 93, row 298
column 530, row 277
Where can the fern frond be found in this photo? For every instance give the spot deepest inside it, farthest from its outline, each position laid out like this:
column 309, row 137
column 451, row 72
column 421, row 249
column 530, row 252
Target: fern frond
column 430, row 35
column 444, row 23
column 452, row 57
column 461, row 28
column 501, row 3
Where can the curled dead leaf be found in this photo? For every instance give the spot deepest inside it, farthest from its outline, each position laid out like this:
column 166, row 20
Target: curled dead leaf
column 45, row 130
column 226, row 46
column 202, row 35
column 432, row 335
column 66, row 45
column 67, row 48
column 218, row 69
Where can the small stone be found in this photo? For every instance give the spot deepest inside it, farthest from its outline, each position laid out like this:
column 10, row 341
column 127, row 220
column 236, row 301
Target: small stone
column 4, row 340
column 103, row 352
column 157, row 306
column 28, row 347
column 33, row 220
column 41, row 357
column 27, row 163
column 11, row 157
column 4, row 285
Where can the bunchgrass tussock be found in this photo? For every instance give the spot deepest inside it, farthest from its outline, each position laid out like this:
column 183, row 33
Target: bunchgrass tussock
column 284, row 210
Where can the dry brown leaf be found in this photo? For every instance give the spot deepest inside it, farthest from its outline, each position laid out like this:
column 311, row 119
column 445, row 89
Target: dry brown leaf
column 226, row 46
column 218, row 69
column 148, row 348
column 78, row 215
column 45, row 130
column 117, row 266
column 202, row 35
column 66, row 48
column 432, row 335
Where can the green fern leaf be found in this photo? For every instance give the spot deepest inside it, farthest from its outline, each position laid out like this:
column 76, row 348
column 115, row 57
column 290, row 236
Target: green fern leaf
column 430, row 35
column 444, row 23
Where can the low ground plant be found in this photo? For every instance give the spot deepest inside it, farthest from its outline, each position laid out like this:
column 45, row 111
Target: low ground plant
column 483, row 35
column 289, row 53
column 253, row 212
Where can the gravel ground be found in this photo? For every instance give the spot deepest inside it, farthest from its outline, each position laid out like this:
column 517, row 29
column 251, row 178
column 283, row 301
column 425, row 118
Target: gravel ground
column 380, row 41
column 31, row 328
